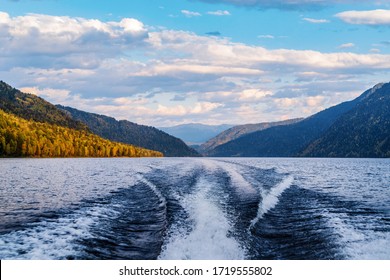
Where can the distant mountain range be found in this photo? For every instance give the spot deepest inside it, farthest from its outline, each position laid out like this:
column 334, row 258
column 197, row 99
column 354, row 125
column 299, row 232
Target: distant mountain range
column 31, row 126
column 357, row 128
column 132, row 133
column 195, row 133
column 238, row 131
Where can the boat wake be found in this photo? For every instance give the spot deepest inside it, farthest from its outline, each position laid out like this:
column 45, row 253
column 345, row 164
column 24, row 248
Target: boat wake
column 191, row 209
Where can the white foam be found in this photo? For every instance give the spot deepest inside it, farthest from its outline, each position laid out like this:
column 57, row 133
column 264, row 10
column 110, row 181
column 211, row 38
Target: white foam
column 234, row 172
column 152, row 186
column 52, row 239
column 359, row 244
column 271, row 198
column 209, row 238
column 237, row 179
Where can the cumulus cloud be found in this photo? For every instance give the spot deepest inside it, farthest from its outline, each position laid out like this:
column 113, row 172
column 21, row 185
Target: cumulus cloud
column 373, row 17
column 164, row 77
column 55, row 95
column 64, row 41
column 222, row 52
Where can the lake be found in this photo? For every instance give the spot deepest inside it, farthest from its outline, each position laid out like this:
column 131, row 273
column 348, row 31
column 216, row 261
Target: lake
column 195, row 208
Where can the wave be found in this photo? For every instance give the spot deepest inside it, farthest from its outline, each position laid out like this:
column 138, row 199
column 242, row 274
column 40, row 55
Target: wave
column 359, row 242
column 197, row 209
column 271, row 198
column 53, row 239
column 209, row 236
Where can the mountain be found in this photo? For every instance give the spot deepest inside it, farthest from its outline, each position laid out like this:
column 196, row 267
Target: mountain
column 28, row 138
column 195, row 133
column 238, row 131
column 285, row 140
column 32, row 107
column 32, row 127
column 364, row 131
column 131, row 133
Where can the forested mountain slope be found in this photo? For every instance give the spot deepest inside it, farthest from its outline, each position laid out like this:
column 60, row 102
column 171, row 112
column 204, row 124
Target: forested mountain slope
column 132, row 133
column 32, row 107
column 362, row 132
column 27, row 138
column 238, row 131
column 357, row 128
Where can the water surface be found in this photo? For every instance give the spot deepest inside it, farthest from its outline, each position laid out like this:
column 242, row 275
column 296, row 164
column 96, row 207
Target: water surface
column 195, row 208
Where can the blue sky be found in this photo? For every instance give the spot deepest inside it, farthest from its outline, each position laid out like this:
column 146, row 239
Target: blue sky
column 170, row 62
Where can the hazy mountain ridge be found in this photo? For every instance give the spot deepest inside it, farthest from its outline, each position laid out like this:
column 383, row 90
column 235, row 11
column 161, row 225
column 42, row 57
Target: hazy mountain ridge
column 131, row 133
column 304, row 138
column 239, row 131
column 195, row 133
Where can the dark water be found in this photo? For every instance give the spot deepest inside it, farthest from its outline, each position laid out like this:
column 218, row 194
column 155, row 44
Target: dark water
column 195, row 208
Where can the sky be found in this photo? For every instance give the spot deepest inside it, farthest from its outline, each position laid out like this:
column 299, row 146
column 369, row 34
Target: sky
column 164, row 63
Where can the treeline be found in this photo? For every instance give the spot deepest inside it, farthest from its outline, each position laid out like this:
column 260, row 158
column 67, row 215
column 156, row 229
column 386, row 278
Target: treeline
column 22, row 138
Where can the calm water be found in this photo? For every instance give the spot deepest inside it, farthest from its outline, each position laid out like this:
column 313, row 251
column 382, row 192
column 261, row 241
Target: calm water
column 250, row 208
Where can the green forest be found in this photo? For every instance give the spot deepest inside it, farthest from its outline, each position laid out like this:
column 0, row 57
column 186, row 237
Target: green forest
column 28, row 138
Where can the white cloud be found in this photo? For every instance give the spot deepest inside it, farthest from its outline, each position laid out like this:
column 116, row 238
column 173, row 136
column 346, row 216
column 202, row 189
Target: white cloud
column 124, row 70
column 180, row 110
column 219, row 13
column 4, row 18
column 190, row 13
column 266, row 36
column 52, row 94
column 315, row 101
column 64, row 41
column 254, row 94
column 182, row 67
column 373, row 17
column 130, row 25
column 286, row 102
column 316, row 21
column 224, row 53
column 346, row 46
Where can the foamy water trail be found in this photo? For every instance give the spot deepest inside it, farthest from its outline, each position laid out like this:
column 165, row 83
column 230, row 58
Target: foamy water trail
column 358, row 244
column 271, row 198
column 209, row 237
column 52, row 239
column 153, row 187
column 236, row 178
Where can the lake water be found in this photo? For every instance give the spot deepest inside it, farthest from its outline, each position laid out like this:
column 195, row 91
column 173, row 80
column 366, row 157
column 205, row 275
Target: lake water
column 195, row 208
